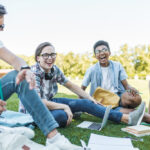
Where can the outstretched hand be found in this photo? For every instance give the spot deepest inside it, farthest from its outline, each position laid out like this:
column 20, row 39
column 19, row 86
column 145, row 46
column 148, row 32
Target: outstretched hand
column 27, row 75
column 2, row 106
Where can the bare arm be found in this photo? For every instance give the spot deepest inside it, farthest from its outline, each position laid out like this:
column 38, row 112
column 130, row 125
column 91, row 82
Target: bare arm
column 17, row 63
column 11, row 59
column 77, row 90
column 125, row 84
column 83, row 88
column 52, row 105
column 128, row 87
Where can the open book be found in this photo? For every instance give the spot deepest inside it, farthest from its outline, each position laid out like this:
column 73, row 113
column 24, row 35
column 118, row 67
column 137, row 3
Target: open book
column 139, row 130
column 95, row 125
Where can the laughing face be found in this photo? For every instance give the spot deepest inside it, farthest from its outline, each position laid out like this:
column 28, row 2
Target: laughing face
column 102, row 55
column 47, row 58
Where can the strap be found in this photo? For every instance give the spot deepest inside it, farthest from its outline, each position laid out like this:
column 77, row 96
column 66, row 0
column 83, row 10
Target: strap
column 1, row 93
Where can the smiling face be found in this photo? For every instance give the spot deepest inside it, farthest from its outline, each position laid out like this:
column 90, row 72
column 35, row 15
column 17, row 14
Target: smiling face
column 102, row 55
column 47, row 58
column 130, row 101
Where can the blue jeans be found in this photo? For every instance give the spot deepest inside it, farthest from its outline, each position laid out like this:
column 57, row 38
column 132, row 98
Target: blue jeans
column 84, row 105
column 31, row 101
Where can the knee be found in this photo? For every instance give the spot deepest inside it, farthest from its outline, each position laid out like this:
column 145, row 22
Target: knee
column 79, row 103
column 24, row 84
column 61, row 119
column 12, row 75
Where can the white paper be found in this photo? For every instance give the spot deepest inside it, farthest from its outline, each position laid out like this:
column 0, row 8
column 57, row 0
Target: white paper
column 97, row 142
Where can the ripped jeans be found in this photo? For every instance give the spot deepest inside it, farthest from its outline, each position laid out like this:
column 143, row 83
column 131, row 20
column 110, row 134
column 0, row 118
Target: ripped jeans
column 83, row 105
column 31, row 101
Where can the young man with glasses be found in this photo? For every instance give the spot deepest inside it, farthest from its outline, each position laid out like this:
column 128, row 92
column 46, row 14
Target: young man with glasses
column 22, row 82
column 47, row 76
column 110, row 75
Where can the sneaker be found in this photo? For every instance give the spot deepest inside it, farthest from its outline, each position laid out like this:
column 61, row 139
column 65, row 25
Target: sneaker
column 29, row 133
column 51, row 147
column 62, row 143
column 136, row 116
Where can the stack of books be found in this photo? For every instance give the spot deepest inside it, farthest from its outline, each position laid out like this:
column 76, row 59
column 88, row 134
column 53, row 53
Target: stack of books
column 138, row 130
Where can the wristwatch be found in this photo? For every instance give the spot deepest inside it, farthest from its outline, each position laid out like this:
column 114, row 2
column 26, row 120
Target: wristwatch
column 25, row 67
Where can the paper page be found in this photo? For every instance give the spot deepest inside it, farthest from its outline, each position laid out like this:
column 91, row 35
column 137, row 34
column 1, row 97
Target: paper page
column 97, row 142
column 84, row 124
column 106, row 147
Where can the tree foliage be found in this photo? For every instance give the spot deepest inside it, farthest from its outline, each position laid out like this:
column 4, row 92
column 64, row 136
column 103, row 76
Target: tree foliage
column 136, row 61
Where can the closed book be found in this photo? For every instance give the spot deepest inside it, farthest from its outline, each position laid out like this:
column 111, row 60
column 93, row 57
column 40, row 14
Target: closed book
column 139, row 130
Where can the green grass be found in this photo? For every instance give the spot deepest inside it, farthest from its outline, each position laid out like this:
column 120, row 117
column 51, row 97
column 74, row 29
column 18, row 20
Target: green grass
column 74, row 134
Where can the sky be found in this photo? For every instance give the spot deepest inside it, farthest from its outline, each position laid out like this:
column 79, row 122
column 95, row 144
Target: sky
column 75, row 25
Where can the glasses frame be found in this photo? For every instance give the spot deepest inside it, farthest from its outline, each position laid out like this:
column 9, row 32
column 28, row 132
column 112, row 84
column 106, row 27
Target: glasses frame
column 100, row 51
column 52, row 55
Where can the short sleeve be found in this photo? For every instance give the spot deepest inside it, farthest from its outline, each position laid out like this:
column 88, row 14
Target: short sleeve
column 87, row 78
column 61, row 79
column 122, row 73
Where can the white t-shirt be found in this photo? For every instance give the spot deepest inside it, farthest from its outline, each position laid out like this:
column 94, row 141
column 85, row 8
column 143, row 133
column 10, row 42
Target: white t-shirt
column 1, row 44
column 106, row 82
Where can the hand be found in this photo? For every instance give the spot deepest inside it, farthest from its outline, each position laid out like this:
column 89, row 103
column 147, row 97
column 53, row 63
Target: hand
column 27, row 75
column 94, row 101
column 69, row 114
column 132, row 91
column 2, row 106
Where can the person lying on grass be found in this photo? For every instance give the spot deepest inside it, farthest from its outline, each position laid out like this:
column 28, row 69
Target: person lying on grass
column 110, row 75
column 47, row 76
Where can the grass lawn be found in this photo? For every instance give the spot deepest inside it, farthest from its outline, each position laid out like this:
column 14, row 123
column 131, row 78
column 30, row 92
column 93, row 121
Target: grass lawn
column 74, row 134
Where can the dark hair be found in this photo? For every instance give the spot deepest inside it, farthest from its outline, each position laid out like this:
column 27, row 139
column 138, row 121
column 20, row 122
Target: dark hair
column 2, row 10
column 99, row 43
column 40, row 48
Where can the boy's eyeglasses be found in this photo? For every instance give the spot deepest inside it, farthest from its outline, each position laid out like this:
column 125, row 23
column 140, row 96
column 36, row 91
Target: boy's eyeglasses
column 100, row 51
column 2, row 26
column 46, row 55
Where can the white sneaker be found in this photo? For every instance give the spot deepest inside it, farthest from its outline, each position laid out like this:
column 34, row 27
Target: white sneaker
column 51, row 147
column 62, row 143
column 29, row 133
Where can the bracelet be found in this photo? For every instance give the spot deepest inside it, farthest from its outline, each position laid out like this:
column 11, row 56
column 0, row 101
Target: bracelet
column 25, row 67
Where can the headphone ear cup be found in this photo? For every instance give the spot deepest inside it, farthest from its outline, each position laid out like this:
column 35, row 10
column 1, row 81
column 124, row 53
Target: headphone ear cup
column 48, row 76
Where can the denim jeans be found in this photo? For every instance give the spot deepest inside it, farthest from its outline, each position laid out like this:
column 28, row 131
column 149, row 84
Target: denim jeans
column 84, row 105
column 31, row 101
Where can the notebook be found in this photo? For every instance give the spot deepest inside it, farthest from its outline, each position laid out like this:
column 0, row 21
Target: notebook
column 95, row 125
